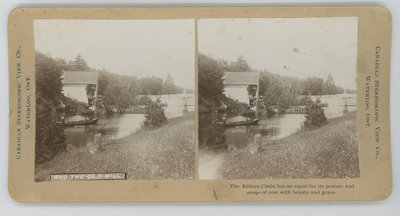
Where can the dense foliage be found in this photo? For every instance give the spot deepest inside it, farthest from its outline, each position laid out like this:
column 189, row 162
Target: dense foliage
column 211, row 90
column 49, row 137
column 155, row 116
column 315, row 115
column 211, row 134
column 122, row 90
column 211, row 86
column 283, row 91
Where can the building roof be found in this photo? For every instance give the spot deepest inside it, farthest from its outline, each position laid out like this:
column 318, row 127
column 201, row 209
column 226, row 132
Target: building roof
column 241, row 78
column 80, row 77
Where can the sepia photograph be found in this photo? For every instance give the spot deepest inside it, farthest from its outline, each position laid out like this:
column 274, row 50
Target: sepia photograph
column 115, row 99
column 199, row 104
column 278, row 98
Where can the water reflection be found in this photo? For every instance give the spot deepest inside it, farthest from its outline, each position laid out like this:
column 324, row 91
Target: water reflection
column 110, row 127
column 269, row 128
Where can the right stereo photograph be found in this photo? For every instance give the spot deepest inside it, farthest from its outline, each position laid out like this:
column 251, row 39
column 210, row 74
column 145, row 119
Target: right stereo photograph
column 278, row 98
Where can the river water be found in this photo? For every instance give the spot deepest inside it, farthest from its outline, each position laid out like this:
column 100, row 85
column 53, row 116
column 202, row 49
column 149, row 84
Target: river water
column 118, row 126
column 110, row 127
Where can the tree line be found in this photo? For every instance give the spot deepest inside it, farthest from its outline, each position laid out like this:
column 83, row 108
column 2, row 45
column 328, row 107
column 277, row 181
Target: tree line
column 121, row 90
column 275, row 89
column 283, row 91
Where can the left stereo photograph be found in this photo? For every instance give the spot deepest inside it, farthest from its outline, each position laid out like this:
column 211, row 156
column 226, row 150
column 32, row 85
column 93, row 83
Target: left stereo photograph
column 115, row 99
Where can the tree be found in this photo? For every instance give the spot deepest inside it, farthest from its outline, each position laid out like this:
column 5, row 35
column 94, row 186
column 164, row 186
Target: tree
column 277, row 90
column 329, row 85
column 313, row 86
column 155, row 116
column 242, row 65
column 211, row 86
column 151, row 86
column 111, row 95
column 78, row 64
column 315, row 115
column 169, row 86
column 49, row 137
column 211, row 93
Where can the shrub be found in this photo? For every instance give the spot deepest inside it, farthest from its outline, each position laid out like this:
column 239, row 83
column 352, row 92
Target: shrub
column 211, row 133
column 49, row 135
column 154, row 115
column 315, row 115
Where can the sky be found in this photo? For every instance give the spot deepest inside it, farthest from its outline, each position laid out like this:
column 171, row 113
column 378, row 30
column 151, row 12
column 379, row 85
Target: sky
column 130, row 47
column 298, row 47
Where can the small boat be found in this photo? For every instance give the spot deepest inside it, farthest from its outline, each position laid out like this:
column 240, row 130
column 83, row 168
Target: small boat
column 239, row 121
column 242, row 123
column 78, row 123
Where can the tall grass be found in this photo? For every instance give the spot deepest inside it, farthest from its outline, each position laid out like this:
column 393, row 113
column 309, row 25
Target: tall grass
column 167, row 152
column 329, row 151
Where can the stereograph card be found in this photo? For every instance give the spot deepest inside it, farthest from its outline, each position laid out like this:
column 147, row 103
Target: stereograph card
column 199, row 104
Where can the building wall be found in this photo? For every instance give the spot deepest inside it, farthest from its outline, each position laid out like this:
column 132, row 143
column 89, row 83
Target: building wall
column 77, row 92
column 237, row 92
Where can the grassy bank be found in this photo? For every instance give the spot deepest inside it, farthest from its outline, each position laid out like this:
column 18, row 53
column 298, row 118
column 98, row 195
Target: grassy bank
column 167, row 152
column 329, row 151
